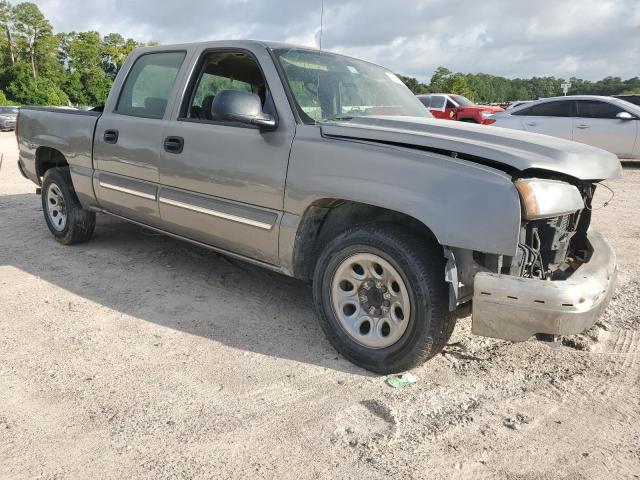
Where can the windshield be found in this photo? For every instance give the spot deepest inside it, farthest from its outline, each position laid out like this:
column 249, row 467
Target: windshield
column 460, row 100
column 329, row 87
column 8, row 110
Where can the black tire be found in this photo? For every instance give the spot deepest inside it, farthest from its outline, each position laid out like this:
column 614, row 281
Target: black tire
column 421, row 264
column 468, row 120
column 80, row 223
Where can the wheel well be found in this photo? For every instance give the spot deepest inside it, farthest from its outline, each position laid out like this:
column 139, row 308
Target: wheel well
column 46, row 158
column 327, row 218
column 469, row 120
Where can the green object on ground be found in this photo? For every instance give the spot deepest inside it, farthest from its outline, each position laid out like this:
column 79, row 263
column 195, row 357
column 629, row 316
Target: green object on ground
column 399, row 381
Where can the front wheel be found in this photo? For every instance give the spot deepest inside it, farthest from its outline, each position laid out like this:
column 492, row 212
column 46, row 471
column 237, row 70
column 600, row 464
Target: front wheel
column 67, row 220
column 382, row 299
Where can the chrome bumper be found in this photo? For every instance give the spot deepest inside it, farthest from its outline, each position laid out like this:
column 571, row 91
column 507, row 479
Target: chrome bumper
column 514, row 308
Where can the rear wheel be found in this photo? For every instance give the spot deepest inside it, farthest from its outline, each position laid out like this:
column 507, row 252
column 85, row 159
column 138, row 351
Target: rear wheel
column 67, row 220
column 382, row 299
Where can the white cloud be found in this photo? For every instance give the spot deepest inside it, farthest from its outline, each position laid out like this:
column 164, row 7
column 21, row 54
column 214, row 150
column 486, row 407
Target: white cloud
column 586, row 38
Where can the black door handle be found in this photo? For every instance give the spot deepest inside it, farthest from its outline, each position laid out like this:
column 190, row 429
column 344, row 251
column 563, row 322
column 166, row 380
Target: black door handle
column 111, row 136
column 174, row 144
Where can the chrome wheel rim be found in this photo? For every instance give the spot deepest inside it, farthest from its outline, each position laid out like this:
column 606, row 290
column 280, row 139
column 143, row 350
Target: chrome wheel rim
column 56, row 208
column 370, row 300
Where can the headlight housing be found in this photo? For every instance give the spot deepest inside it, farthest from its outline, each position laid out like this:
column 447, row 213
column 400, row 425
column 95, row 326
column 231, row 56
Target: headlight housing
column 486, row 114
column 541, row 198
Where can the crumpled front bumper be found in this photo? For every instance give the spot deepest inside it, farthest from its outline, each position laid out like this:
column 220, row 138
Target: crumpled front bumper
column 514, row 308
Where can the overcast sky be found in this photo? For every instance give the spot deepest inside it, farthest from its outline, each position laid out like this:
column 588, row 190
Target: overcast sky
column 516, row 38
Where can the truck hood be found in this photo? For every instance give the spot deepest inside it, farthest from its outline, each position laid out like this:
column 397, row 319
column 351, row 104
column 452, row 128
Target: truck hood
column 513, row 149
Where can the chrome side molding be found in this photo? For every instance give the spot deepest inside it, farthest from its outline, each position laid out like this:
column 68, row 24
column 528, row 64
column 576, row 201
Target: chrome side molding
column 129, row 191
column 216, row 213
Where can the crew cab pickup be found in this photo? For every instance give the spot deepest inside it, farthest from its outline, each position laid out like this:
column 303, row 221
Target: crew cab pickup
column 329, row 169
column 457, row 107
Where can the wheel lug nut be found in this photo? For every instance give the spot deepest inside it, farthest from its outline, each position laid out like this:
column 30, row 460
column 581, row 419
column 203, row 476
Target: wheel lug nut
column 372, row 310
column 386, row 303
column 386, row 295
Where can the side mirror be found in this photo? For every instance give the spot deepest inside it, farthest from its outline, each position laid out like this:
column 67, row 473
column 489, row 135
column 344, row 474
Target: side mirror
column 625, row 116
column 242, row 107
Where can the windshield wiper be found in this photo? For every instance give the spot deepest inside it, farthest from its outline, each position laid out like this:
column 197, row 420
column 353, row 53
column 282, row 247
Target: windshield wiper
column 338, row 118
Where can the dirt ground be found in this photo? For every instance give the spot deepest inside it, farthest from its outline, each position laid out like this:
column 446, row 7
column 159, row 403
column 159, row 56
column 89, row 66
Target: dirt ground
column 139, row 356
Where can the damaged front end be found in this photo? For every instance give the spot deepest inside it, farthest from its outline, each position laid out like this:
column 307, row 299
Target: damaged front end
column 558, row 281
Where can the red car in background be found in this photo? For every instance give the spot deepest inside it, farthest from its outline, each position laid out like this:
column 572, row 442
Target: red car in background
column 450, row 106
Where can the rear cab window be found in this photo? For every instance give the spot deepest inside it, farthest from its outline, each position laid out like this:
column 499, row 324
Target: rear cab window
column 147, row 88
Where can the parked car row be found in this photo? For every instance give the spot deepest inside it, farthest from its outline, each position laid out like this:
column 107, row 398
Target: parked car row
column 8, row 118
column 609, row 123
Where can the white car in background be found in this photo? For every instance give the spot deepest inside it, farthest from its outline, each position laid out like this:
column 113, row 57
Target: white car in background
column 604, row 122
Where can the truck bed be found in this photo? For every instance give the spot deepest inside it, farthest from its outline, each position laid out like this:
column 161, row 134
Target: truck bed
column 68, row 131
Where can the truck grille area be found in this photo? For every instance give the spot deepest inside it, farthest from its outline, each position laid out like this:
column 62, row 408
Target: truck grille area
column 552, row 248
column 544, row 246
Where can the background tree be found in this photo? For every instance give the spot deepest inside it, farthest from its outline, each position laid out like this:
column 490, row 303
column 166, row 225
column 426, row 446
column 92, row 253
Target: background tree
column 34, row 31
column 439, row 79
column 5, row 28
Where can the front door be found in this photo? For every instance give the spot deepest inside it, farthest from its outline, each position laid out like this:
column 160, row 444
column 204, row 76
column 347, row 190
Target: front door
column 441, row 107
column 596, row 124
column 128, row 139
column 222, row 183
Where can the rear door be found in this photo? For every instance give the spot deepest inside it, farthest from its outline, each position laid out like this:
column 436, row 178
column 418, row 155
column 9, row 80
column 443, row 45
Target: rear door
column 596, row 124
column 224, row 184
column 549, row 118
column 129, row 135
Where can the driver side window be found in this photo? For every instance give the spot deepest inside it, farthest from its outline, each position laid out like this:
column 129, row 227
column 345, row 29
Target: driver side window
column 225, row 71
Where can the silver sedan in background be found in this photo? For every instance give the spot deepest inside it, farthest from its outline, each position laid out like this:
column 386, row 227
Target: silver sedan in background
column 8, row 118
column 604, row 122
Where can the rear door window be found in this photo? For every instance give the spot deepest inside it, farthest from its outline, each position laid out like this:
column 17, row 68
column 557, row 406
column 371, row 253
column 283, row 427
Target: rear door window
column 148, row 86
column 596, row 109
column 547, row 109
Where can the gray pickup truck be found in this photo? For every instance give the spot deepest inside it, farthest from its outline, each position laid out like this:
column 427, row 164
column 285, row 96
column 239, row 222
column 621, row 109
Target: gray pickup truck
column 327, row 168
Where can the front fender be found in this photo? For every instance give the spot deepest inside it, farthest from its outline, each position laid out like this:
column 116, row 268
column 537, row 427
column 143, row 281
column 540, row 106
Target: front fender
column 464, row 204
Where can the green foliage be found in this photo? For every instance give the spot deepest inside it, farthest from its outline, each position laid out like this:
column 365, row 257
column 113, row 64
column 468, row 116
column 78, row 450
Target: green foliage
column 414, row 85
column 4, row 102
column 439, row 80
column 26, row 90
column 485, row 88
column 40, row 68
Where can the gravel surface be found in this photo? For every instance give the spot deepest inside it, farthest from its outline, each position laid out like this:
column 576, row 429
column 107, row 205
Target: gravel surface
column 138, row 356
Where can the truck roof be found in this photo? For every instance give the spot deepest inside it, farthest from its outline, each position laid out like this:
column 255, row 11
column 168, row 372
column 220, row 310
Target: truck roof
column 229, row 43
column 246, row 44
